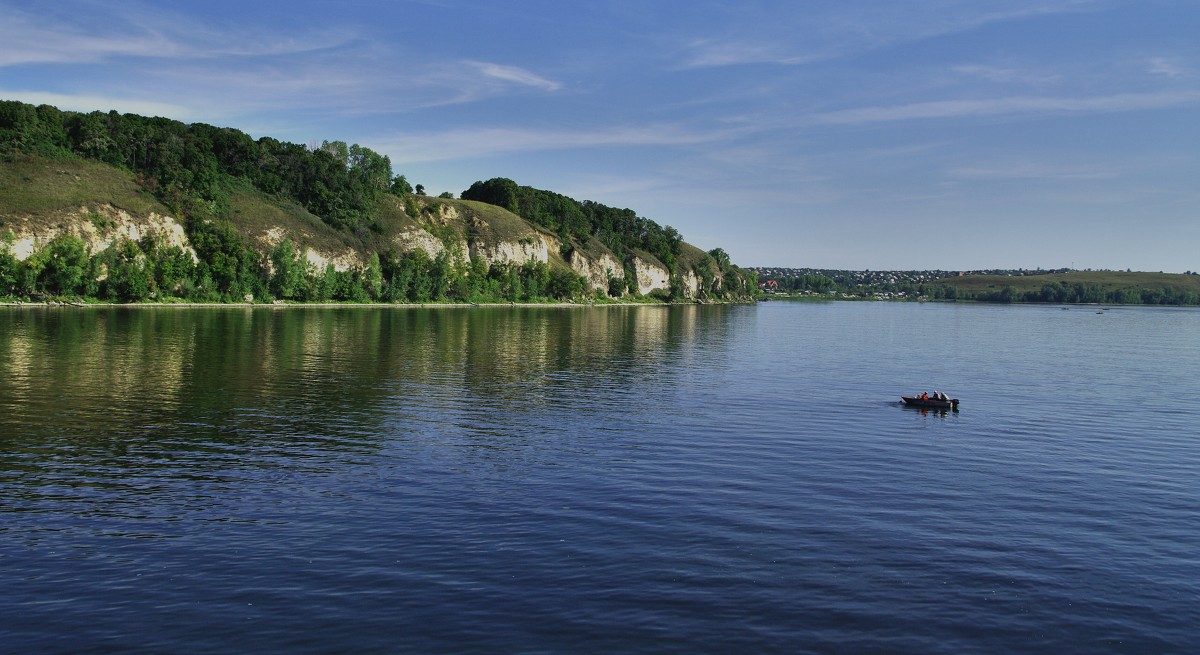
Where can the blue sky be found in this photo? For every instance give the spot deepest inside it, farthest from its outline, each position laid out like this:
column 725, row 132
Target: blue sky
column 843, row 134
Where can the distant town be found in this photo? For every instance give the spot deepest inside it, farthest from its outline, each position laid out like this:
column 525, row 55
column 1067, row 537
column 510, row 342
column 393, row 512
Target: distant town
column 775, row 278
column 1004, row 285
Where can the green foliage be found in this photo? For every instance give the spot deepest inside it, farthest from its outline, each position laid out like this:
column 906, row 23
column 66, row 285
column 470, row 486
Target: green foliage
column 290, row 272
column 11, row 270
column 26, row 128
column 101, row 222
column 498, row 191
column 616, row 286
column 400, row 186
column 621, row 230
column 199, row 171
column 130, row 275
column 229, row 268
column 411, row 208
column 190, row 167
column 65, row 265
column 1078, row 287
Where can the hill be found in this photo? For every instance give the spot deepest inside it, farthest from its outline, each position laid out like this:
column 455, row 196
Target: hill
column 124, row 207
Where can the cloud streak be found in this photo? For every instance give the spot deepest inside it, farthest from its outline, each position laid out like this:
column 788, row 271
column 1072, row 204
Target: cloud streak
column 844, row 31
column 514, row 75
column 943, row 109
column 486, row 142
column 42, row 39
column 1033, row 171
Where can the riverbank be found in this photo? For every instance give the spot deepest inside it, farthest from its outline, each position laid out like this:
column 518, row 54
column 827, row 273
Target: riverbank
column 282, row 305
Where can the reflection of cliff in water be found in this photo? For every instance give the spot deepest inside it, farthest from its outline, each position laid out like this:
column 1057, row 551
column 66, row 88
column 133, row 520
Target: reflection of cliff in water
column 62, row 362
column 327, row 377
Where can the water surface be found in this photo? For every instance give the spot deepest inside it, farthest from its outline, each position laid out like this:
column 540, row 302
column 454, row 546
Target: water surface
column 631, row 479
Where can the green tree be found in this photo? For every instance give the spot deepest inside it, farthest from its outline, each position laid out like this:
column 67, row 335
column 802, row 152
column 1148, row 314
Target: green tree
column 289, row 278
column 66, row 263
column 400, row 186
column 129, row 278
column 10, row 268
column 373, row 277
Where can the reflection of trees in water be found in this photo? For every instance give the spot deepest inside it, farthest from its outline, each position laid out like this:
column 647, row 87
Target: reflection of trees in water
column 105, row 410
column 65, row 361
column 209, row 361
column 322, row 378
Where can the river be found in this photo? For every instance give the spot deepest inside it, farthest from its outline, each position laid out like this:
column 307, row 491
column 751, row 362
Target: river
column 610, row 479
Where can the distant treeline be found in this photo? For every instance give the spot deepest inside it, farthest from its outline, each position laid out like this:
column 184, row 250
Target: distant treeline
column 195, row 168
column 1132, row 289
column 1056, row 292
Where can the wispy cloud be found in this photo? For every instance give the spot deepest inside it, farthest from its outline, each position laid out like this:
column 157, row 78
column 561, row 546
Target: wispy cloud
column 812, row 35
column 1033, row 171
column 1167, row 67
column 213, row 71
column 151, row 34
column 515, row 75
column 1122, row 102
column 713, row 53
column 484, row 142
column 1007, row 75
column 29, row 39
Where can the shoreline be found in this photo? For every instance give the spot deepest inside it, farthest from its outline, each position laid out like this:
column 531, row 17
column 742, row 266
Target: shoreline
column 377, row 305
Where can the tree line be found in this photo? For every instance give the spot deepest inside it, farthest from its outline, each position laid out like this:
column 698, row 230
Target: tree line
column 227, row 269
column 1056, row 292
column 194, row 168
column 1049, row 292
column 621, row 230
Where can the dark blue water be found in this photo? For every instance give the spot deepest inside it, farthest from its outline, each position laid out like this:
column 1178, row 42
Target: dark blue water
column 694, row 479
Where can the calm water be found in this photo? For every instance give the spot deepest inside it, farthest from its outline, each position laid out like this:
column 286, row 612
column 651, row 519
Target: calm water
column 694, row 479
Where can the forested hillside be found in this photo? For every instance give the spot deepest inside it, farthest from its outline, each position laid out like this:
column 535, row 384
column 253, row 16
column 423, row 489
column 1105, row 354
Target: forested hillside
column 219, row 183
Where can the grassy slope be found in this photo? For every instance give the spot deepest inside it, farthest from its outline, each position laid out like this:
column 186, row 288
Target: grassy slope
column 1108, row 280
column 254, row 213
column 42, row 189
column 691, row 256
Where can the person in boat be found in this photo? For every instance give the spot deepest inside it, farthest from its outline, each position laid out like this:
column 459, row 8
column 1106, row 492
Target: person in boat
column 924, row 395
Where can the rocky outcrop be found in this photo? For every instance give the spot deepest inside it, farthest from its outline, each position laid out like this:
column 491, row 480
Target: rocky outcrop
column 522, row 251
column 691, row 284
column 411, row 239
column 596, row 268
column 343, row 260
column 472, row 234
column 651, row 276
column 99, row 227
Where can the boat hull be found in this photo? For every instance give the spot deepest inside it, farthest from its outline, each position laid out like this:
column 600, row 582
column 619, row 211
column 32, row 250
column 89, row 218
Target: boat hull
column 933, row 403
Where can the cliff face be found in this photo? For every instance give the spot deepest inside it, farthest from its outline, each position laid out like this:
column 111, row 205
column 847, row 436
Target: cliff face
column 651, row 276
column 99, row 226
column 470, row 231
column 596, row 268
